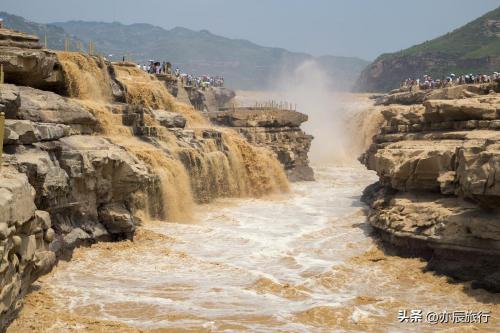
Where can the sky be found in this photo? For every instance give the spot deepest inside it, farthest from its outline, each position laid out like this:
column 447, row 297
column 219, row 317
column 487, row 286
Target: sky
column 360, row 28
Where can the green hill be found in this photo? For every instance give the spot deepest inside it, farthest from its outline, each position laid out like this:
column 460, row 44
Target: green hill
column 244, row 65
column 474, row 48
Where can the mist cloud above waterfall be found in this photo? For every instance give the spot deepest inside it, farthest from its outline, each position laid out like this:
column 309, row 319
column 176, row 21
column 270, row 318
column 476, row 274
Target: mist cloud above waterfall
column 314, row 93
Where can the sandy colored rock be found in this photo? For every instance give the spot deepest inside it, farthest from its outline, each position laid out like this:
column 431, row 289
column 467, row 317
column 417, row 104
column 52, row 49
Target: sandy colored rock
column 47, row 107
column 438, row 193
column 10, row 100
column 117, row 219
column 276, row 129
column 25, row 62
column 26, row 132
column 248, row 117
column 169, row 119
column 23, row 255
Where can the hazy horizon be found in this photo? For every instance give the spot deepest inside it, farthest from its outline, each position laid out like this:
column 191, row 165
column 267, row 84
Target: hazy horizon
column 354, row 28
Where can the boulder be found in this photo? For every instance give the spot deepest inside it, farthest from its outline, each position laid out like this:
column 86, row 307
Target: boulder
column 169, row 119
column 26, row 132
column 47, row 107
column 117, row 219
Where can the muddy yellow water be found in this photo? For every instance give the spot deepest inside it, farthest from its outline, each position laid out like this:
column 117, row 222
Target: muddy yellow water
column 303, row 262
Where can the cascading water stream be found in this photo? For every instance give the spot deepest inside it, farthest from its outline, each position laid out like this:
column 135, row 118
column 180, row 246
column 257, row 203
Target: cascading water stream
column 300, row 262
column 224, row 166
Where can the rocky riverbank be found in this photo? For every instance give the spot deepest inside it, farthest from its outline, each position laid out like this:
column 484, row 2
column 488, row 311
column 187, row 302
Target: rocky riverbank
column 93, row 149
column 438, row 158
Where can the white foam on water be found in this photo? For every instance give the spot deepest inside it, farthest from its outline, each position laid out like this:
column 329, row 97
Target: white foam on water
column 255, row 264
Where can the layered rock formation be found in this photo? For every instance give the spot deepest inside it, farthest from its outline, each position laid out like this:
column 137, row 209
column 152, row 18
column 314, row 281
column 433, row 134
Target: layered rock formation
column 26, row 62
column 25, row 235
column 59, row 187
column 277, row 129
column 438, row 159
column 116, row 150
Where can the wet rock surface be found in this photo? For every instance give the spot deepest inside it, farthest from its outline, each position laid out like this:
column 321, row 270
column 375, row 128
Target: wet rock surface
column 169, row 119
column 94, row 166
column 438, row 194
column 278, row 130
column 58, row 188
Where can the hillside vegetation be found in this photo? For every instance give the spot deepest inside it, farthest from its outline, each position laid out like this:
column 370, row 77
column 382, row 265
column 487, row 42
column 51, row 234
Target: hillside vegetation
column 474, row 48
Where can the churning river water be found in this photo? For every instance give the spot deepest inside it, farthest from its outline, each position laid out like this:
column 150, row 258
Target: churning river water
column 304, row 262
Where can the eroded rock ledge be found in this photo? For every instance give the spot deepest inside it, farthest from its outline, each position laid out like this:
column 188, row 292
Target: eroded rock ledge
column 276, row 129
column 438, row 159
column 76, row 171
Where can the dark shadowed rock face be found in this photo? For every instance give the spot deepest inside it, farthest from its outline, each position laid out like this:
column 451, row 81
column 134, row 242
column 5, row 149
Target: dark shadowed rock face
column 439, row 193
column 26, row 63
column 278, row 130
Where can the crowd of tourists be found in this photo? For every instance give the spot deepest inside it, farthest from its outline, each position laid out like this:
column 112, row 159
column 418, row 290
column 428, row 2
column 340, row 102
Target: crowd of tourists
column 428, row 82
column 200, row 82
column 156, row 67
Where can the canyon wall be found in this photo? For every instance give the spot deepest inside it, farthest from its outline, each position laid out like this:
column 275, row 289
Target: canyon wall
column 438, row 159
column 101, row 149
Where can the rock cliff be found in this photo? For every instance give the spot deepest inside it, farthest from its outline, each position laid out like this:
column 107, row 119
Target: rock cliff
column 26, row 62
column 438, row 157
column 276, row 129
column 94, row 149
column 25, row 235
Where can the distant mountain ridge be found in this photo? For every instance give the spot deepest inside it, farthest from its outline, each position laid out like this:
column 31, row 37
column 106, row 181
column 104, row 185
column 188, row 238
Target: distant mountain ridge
column 55, row 35
column 474, row 48
column 245, row 65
